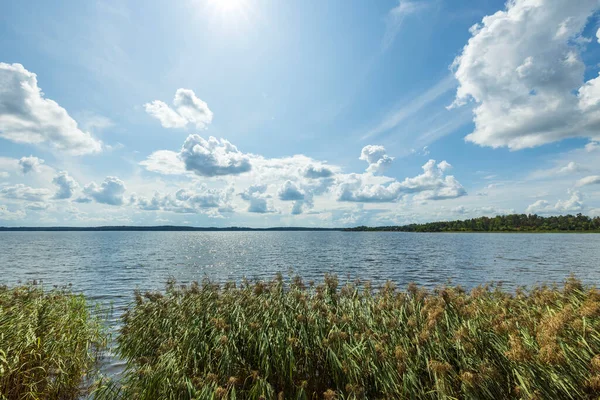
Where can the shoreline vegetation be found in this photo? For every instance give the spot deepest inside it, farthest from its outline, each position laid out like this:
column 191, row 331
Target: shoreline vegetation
column 289, row 339
column 50, row 343
column 528, row 223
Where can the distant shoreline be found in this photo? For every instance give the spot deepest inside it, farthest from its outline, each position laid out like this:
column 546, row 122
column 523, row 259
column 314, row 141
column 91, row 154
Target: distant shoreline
column 165, row 228
column 514, row 223
column 235, row 229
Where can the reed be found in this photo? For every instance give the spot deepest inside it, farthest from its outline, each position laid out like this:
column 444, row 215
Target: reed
column 288, row 340
column 49, row 343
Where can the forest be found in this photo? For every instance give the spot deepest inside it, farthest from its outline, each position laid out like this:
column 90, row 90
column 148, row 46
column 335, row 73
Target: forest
column 501, row 223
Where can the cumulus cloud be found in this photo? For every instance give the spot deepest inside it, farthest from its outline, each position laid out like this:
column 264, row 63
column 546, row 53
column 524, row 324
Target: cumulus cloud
column 376, row 157
column 83, row 200
column 195, row 200
column 303, row 199
column 523, row 69
column 588, row 180
column 356, row 190
column 37, row 206
column 258, row 199
column 449, row 188
column 8, row 215
column 31, row 163
column 220, row 158
column 26, row 116
column 66, row 185
column 312, row 171
column 188, row 109
column 290, row 192
column 26, row 193
column 572, row 204
column 213, row 157
column 110, row 191
column 432, row 184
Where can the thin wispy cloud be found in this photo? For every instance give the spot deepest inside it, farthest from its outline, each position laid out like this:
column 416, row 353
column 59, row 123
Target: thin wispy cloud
column 412, row 107
column 396, row 17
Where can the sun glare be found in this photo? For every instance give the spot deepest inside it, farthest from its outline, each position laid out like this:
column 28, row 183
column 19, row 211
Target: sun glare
column 229, row 8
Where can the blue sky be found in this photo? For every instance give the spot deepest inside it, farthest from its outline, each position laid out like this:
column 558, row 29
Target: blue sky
column 334, row 113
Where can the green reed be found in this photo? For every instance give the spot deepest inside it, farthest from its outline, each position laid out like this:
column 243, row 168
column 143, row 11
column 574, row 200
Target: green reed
column 49, row 343
column 281, row 340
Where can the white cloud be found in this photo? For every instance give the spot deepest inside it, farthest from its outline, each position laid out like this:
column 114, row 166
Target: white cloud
column 213, row 157
column 376, row 157
column 195, row 200
column 588, row 180
column 164, row 162
column 83, row 200
column 37, row 206
column 7, row 215
column 354, row 189
column 26, row 193
column 317, row 171
column 267, row 183
column 485, row 211
column 108, row 192
column 290, row 192
column 572, row 204
column 4, row 174
column 432, row 184
column 259, row 201
column 189, row 109
column 31, row 163
column 592, row 146
column 219, row 158
column 303, row 199
column 66, row 185
column 27, row 117
column 570, row 168
column 523, row 68
column 598, row 35
column 449, row 189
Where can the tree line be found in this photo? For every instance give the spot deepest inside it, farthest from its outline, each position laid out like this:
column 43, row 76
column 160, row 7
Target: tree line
column 501, row 223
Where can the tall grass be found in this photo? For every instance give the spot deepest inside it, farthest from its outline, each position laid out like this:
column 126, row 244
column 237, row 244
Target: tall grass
column 49, row 343
column 280, row 340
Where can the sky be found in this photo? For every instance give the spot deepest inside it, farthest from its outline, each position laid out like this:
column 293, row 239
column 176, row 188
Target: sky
column 303, row 113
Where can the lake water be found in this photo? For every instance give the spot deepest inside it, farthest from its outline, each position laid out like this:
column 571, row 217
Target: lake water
column 108, row 266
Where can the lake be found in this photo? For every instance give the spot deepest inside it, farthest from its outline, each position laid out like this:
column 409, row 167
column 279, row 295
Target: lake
column 108, row 266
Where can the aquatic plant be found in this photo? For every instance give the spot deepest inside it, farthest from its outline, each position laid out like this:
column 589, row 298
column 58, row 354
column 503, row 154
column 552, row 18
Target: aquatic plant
column 288, row 340
column 49, row 343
